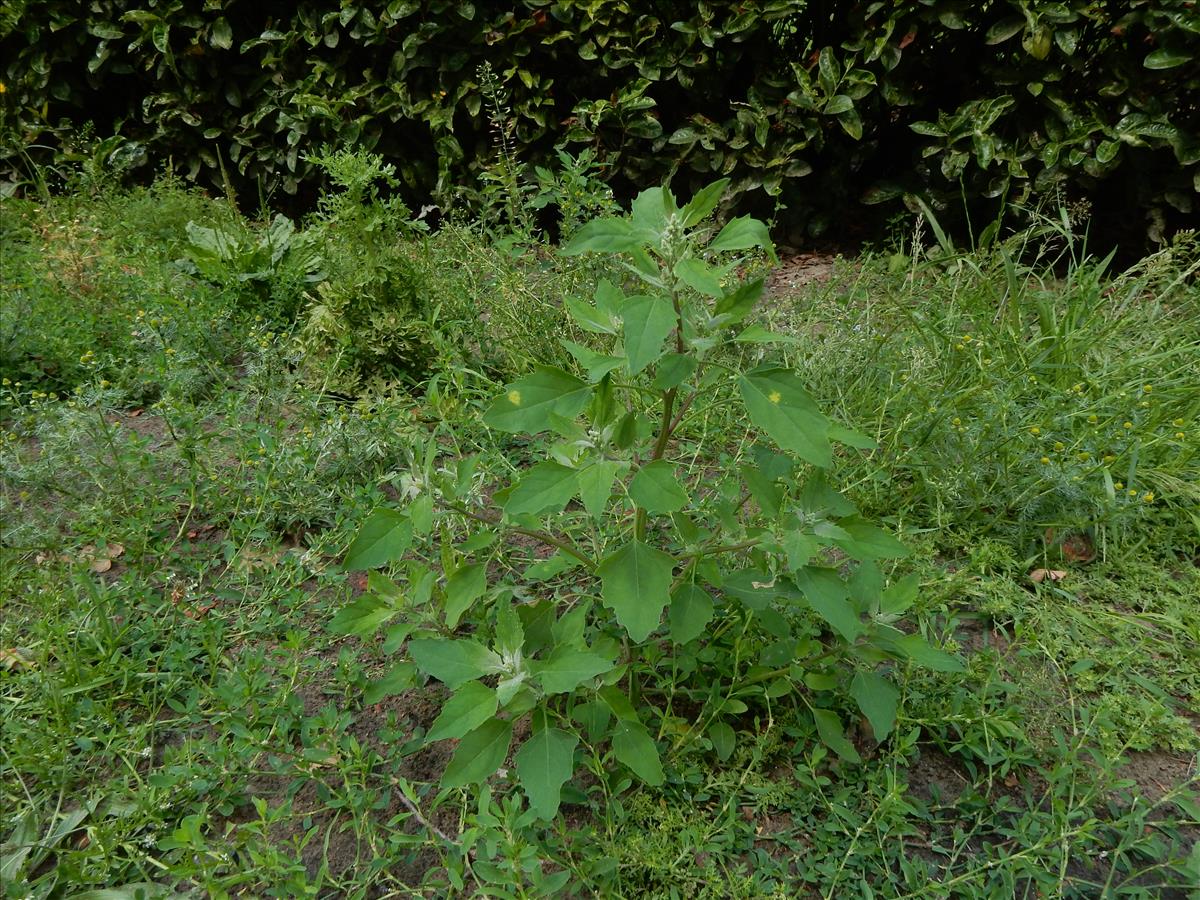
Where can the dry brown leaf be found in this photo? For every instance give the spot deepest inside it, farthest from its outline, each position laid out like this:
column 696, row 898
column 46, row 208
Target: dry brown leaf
column 100, row 565
column 15, row 658
column 1078, row 548
column 1037, row 576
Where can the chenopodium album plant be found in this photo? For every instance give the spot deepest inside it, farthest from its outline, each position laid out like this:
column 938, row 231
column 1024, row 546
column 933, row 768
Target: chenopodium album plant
column 577, row 644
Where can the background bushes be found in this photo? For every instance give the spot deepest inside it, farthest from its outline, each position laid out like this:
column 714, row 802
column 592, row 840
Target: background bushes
column 819, row 103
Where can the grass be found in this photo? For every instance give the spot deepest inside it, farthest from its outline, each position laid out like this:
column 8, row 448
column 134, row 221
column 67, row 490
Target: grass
column 178, row 490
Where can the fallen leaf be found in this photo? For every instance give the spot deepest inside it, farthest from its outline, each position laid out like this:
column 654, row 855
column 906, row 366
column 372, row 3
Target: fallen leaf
column 1037, row 576
column 253, row 559
column 100, row 565
column 15, row 658
column 908, row 38
column 1078, row 548
column 134, row 413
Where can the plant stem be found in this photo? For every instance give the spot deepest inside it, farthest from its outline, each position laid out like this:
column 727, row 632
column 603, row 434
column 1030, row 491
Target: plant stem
column 544, row 536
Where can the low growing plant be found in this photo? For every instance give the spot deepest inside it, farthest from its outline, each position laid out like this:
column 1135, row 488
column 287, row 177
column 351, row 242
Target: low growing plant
column 769, row 580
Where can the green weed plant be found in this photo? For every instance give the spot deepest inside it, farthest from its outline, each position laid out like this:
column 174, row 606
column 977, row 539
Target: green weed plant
column 768, row 593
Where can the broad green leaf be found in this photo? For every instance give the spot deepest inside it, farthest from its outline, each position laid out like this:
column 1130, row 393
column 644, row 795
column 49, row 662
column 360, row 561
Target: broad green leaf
column 636, row 580
column 799, row 548
column 818, row 498
column 743, row 233
column 648, row 321
column 618, row 701
column 649, row 213
column 383, row 538
column 865, row 586
column 610, row 299
column 603, row 236
column 526, row 404
column 691, row 611
column 838, row 104
column 779, row 405
column 463, row 588
column 221, row 35
column 510, row 635
column 870, row 542
column 705, row 201
column 384, row 588
column 673, row 370
column 546, row 486
column 900, row 596
column 828, row 596
column 568, row 667
column 597, row 364
column 756, row 334
column 399, row 679
column 468, row 708
column 550, row 567
column 921, row 652
column 1004, row 29
column 362, row 616
column 479, row 754
column 595, row 485
column 544, row 764
column 453, row 662
column 633, row 746
column 851, row 123
column 699, row 276
column 878, row 699
column 754, row 586
column 420, row 514
column 723, row 740
column 1166, row 58
column 738, row 304
column 763, row 489
column 589, row 318
column 655, row 489
column 850, row 437
column 829, row 727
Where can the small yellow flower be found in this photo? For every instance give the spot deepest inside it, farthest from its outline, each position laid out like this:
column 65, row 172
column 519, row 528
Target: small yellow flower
column 956, row 421
column 1146, row 389
column 3, row 88
column 1148, row 497
column 1178, row 423
column 1127, row 426
column 959, row 346
column 1108, row 458
column 1033, row 379
column 1179, row 435
column 775, row 397
column 1045, row 460
column 1093, row 419
column 1060, row 446
column 967, row 338
column 1132, row 492
column 1035, row 431
column 1119, row 486
column 514, row 397
column 1084, row 456
column 1078, row 388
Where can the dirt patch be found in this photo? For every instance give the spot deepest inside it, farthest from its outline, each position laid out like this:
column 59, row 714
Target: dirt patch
column 935, row 777
column 796, row 270
column 1156, row 773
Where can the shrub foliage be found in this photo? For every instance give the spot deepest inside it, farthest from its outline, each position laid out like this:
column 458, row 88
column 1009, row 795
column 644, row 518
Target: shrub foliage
column 879, row 98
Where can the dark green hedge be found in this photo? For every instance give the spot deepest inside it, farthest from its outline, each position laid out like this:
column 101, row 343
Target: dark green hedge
column 823, row 102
